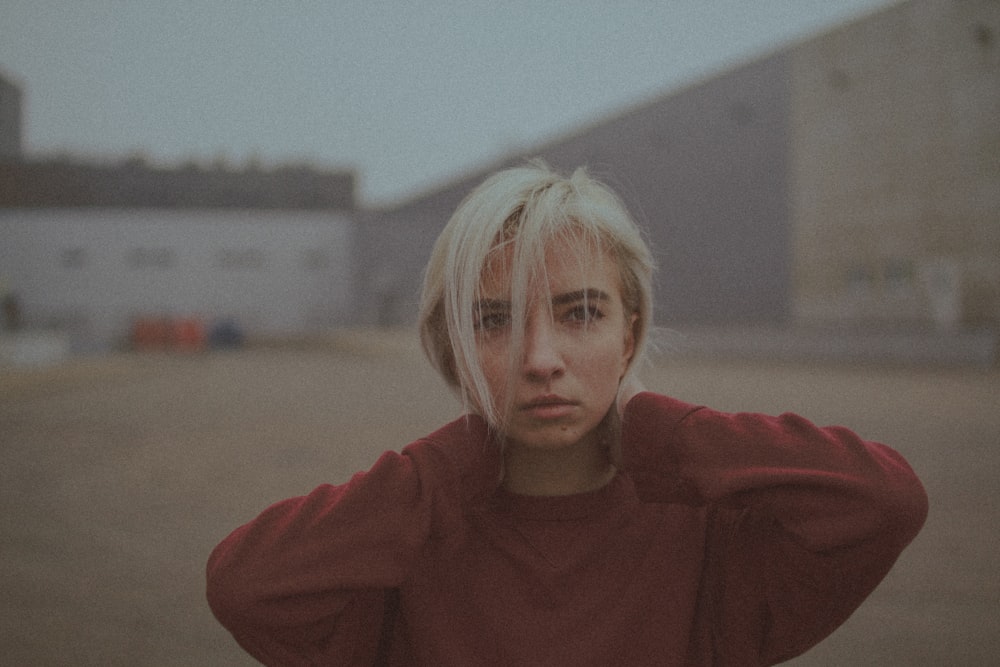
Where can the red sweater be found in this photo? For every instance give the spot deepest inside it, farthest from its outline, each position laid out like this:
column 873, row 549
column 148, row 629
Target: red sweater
column 725, row 540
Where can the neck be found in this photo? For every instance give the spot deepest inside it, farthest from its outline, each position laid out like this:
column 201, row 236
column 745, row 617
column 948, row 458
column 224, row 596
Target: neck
column 535, row 471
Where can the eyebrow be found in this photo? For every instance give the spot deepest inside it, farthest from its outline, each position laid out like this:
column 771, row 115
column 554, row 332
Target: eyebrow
column 589, row 294
column 492, row 304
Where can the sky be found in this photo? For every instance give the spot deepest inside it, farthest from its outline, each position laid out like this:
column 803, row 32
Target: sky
column 408, row 94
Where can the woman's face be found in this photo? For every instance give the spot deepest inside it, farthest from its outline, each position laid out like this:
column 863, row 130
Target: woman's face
column 576, row 348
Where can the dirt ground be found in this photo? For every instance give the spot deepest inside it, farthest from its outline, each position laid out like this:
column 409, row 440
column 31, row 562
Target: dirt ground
column 118, row 475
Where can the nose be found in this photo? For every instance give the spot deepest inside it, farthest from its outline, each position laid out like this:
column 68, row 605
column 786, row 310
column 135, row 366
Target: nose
column 542, row 359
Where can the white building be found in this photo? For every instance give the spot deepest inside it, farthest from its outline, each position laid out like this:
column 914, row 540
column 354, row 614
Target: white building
column 93, row 273
column 91, row 250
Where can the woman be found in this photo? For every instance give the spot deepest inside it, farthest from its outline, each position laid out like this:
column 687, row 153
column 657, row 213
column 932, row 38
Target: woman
column 570, row 518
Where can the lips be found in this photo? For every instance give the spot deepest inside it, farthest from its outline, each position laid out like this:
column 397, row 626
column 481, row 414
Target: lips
column 549, row 407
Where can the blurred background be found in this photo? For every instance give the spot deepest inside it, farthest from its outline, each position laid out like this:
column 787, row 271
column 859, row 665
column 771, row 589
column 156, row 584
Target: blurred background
column 214, row 221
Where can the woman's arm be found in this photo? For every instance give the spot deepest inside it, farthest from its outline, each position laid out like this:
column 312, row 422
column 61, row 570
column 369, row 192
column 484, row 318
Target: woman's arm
column 304, row 581
column 811, row 519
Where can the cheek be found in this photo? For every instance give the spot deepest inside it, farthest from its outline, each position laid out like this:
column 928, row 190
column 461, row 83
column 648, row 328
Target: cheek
column 605, row 368
column 494, row 361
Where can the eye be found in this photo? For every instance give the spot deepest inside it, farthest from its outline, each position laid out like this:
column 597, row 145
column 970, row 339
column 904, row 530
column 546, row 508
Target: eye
column 583, row 313
column 492, row 321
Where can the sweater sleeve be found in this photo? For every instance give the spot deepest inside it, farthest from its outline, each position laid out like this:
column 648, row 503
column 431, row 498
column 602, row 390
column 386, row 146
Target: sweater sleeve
column 806, row 520
column 304, row 582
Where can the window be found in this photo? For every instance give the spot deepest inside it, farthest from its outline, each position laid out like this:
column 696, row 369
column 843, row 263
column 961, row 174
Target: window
column 240, row 258
column 898, row 275
column 983, row 35
column 152, row 258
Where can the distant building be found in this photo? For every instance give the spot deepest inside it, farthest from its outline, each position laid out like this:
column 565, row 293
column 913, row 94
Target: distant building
column 849, row 179
column 704, row 171
column 10, row 119
column 134, row 184
column 97, row 251
column 96, row 273
column 895, row 168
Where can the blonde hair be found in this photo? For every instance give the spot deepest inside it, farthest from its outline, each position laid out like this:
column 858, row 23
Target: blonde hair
column 522, row 210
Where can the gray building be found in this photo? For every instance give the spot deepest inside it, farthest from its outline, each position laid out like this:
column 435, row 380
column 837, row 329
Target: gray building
column 851, row 178
column 704, row 171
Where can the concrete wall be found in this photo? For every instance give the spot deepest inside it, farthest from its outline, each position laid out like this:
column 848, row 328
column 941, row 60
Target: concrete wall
column 703, row 170
column 896, row 167
column 394, row 247
column 91, row 272
column 852, row 178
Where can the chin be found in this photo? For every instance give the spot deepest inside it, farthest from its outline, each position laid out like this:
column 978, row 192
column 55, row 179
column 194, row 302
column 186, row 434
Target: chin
column 549, row 438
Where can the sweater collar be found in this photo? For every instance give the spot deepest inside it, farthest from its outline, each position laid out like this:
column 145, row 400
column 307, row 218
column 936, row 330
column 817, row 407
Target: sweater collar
column 613, row 497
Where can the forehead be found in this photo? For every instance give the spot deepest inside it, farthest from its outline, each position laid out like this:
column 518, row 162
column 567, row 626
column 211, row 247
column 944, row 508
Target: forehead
column 564, row 264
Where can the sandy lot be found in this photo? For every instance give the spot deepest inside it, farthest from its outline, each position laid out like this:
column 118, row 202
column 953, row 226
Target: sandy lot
column 118, row 476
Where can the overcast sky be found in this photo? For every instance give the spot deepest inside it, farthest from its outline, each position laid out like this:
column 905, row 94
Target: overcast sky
column 408, row 93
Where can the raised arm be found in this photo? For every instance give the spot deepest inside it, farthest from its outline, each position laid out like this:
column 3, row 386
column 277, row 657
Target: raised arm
column 808, row 519
column 305, row 580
